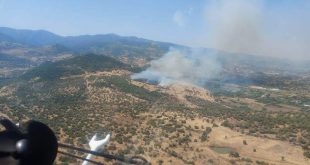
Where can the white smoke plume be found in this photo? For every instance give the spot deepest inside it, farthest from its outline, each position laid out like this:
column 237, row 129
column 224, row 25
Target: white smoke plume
column 235, row 25
column 238, row 26
column 179, row 66
column 254, row 27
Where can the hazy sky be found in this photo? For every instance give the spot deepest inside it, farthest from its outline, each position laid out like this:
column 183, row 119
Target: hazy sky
column 207, row 23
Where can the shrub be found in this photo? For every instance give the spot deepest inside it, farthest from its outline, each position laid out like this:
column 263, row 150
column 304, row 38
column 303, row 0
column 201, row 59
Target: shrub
column 234, row 154
column 307, row 154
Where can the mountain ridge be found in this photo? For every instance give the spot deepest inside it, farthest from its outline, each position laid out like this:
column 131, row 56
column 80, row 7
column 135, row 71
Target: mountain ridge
column 23, row 36
column 32, row 44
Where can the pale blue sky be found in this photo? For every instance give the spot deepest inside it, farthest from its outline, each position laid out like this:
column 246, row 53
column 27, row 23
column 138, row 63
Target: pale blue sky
column 179, row 21
column 144, row 18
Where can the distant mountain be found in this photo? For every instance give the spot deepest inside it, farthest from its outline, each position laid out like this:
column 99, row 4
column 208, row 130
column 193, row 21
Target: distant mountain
column 128, row 49
column 42, row 37
column 40, row 46
column 29, row 37
column 4, row 37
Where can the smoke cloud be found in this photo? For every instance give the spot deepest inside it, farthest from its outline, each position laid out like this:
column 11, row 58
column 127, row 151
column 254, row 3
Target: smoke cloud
column 238, row 26
column 179, row 66
column 274, row 29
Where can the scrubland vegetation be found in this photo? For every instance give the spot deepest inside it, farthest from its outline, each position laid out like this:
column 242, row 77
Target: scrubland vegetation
column 77, row 100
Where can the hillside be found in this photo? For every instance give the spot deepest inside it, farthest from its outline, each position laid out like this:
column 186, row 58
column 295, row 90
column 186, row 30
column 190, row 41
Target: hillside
column 7, row 61
column 180, row 124
column 74, row 66
column 247, row 114
column 39, row 46
column 25, row 49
